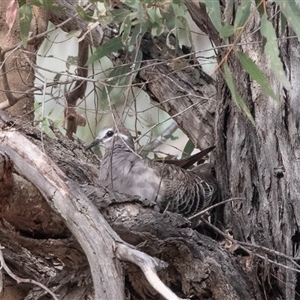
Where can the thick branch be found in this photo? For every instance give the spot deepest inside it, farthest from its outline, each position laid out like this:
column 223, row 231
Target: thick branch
column 178, row 94
column 83, row 219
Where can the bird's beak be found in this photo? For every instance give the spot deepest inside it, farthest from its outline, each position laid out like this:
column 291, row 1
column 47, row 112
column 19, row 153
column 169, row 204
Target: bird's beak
column 93, row 144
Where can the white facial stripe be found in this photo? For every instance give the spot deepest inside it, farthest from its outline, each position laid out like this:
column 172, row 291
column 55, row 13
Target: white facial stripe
column 122, row 136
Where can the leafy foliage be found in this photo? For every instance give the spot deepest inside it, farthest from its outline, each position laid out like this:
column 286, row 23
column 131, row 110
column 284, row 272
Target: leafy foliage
column 188, row 149
column 245, row 11
column 272, row 52
column 112, row 45
column 25, row 15
column 136, row 17
column 252, row 69
column 235, row 95
column 292, row 14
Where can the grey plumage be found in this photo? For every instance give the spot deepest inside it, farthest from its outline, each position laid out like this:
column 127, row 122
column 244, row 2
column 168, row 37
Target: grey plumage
column 170, row 187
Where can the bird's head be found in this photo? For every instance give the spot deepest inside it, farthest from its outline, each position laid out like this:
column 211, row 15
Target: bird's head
column 109, row 136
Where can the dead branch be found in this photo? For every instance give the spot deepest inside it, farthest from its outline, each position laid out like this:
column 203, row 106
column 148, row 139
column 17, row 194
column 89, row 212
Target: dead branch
column 83, row 219
column 204, row 211
column 11, row 99
column 22, row 280
column 149, row 265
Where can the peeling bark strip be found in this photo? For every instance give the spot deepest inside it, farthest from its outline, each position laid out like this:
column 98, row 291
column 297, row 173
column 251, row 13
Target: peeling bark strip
column 72, row 118
column 6, row 177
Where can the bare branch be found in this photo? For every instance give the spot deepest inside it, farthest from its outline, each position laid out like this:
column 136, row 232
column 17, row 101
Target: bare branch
column 22, row 280
column 83, row 219
column 202, row 212
column 11, row 99
column 244, row 245
column 162, row 138
column 149, row 265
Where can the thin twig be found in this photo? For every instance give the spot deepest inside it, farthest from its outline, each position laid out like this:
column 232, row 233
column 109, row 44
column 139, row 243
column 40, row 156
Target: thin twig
column 11, row 99
column 22, row 280
column 202, row 212
column 161, row 138
column 243, row 246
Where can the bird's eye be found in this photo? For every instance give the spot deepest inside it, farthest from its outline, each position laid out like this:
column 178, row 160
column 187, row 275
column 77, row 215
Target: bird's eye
column 109, row 133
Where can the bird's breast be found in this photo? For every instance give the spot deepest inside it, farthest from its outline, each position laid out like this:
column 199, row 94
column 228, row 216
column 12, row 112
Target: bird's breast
column 131, row 175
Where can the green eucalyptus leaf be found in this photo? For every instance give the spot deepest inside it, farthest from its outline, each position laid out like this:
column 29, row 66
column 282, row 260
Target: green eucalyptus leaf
column 242, row 14
column 292, row 13
column 260, row 7
column 272, row 52
column 234, row 93
column 117, row 82
column 25, row 16
column 188, row 149
column 110, row 46
column 126, row 28
column 256, row 74
column 227, row 31
column 214, row 12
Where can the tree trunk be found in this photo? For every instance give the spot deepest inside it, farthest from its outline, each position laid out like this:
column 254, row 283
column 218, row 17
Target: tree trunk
column 16, row 64
column 256, row 164
column 261, row 163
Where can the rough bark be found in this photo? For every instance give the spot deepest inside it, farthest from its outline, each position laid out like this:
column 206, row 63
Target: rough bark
column 197, row 265
column 260, row 163
column 64, row 196
column 189, row 96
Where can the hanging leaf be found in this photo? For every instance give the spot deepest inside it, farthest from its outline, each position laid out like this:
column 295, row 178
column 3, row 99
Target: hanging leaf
column 214, row 12
column 188, row 149
column 119, row 14
column 260, row 7
column 25, row 16
column 242, row 14
column 84, row 15
column 227, row 31
column 292, row 12
column 137, row 34
column 167, row 15
column 272, row 52
column 256, row 74
column 235, row 95
column 118, row 80
column 126, row 28
column 112, row 45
